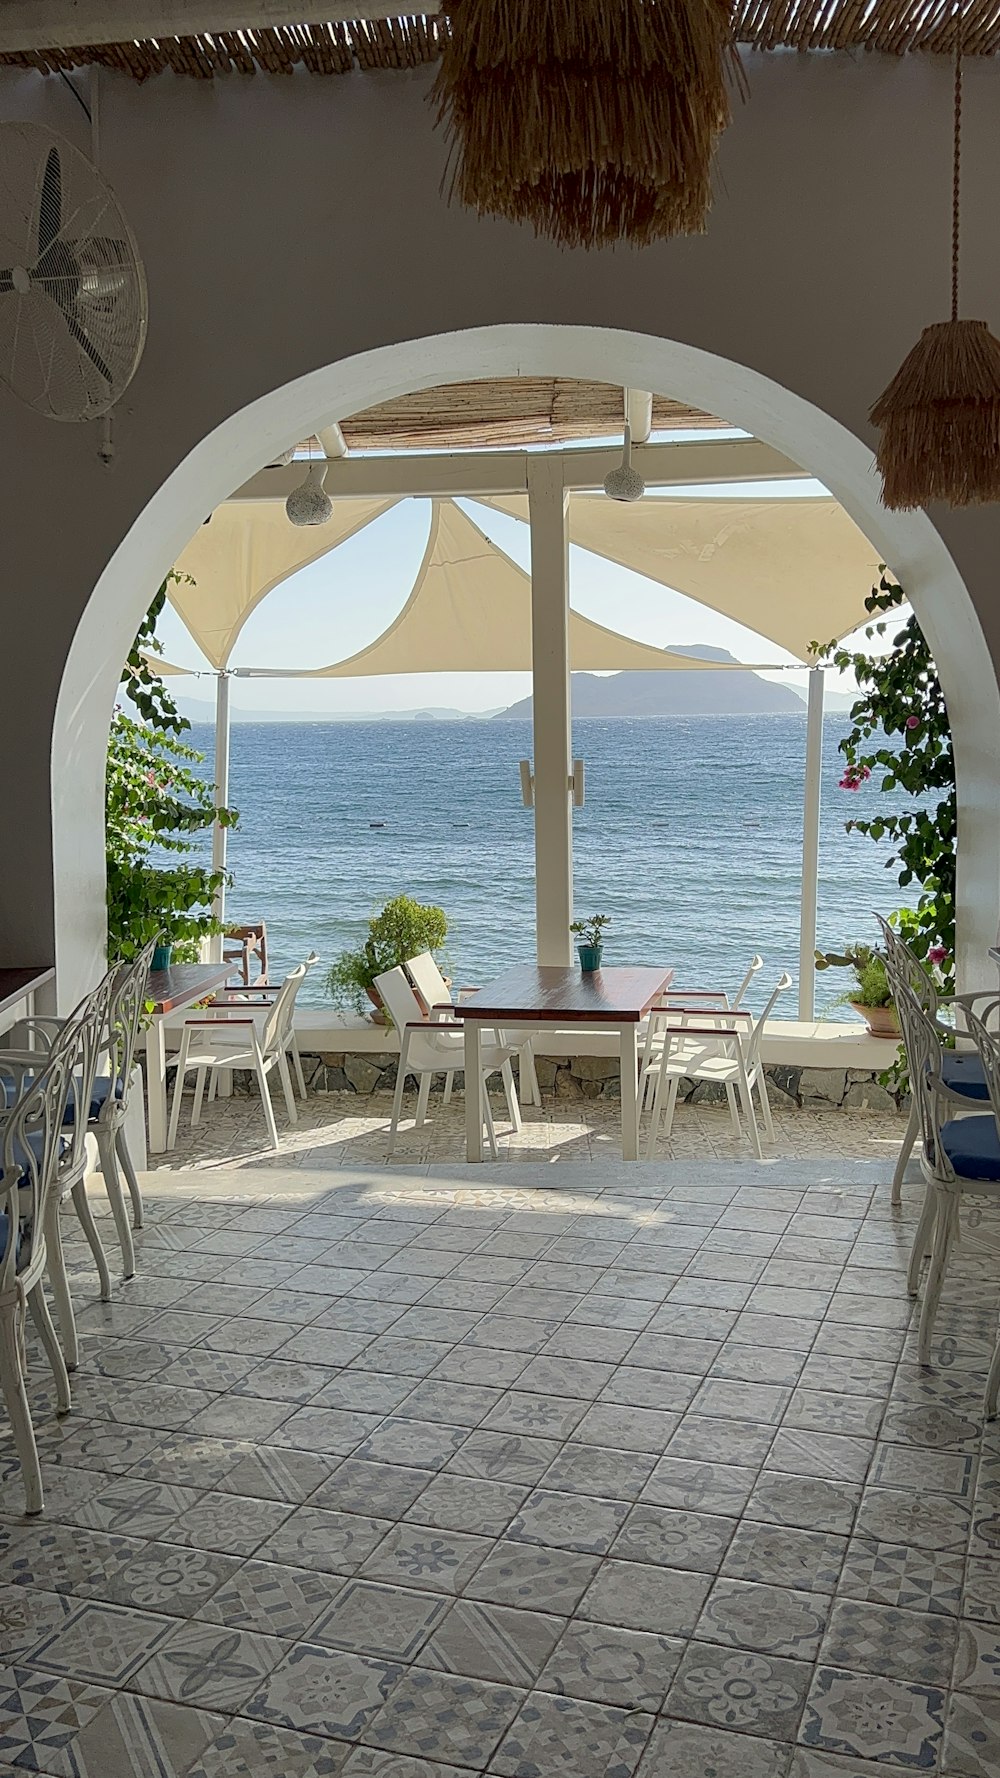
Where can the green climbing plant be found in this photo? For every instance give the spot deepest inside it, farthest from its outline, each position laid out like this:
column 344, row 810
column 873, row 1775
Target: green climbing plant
column 156, row 800
column 900, row 740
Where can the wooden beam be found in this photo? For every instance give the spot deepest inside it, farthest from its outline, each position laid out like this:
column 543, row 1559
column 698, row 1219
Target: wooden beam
column 71, row 24
column 427, row 474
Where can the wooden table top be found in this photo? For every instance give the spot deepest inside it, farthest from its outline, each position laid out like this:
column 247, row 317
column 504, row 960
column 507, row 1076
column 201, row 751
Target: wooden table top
column 17, row 984
column 183, row 983
column 541, row 994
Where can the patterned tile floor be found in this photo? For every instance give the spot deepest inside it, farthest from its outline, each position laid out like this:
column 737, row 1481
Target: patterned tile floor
column 345, row 1129
column 534, row 1474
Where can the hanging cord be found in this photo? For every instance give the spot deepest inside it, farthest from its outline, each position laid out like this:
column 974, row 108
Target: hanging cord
column 956, row 184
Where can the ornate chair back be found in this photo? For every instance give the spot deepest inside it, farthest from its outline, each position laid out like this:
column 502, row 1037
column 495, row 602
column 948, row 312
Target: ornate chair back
column 32, row 1140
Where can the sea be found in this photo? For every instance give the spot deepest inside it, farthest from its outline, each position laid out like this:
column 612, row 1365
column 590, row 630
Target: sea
column 690, row 839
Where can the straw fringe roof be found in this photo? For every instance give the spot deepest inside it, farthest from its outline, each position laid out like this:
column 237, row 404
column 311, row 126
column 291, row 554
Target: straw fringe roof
column 892, row 27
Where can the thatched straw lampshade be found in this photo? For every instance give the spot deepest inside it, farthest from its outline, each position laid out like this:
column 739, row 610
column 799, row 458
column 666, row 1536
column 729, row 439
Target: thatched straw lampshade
column 939, row 418
column 595, row 120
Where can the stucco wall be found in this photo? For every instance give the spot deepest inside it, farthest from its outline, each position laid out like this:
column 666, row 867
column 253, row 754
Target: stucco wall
column 291, row 224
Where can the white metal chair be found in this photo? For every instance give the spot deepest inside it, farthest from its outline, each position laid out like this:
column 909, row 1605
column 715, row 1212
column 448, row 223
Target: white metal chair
column 436, row 1046
column 723, row 1048
column 32, row 1138
column 961, row 1074
column 233, row 1035
column 676, row 1005
column 261, row 994
column 123, row 998
column 433, row 991
column 959, row 1154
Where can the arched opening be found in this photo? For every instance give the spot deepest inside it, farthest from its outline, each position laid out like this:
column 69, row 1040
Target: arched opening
column 229, row 455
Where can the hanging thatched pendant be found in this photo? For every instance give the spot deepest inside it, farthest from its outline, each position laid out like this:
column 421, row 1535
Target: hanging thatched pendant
column 939, row 419
column 596, row 121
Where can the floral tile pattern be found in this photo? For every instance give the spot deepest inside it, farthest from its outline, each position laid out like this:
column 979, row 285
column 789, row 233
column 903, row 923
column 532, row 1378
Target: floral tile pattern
column 325, row 1690
column 880, row 1719
column 726, row 1688
column 518, row 1470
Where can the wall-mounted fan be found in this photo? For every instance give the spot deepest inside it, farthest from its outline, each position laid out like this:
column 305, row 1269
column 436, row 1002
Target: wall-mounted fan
column 72, row 287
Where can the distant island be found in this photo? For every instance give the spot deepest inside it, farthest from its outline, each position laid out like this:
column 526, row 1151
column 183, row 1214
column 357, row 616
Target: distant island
column 199, row 710
column 652, row 693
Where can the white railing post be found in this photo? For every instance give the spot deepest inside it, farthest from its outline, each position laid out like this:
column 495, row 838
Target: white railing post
column 551, row 712
column 810, row 845
column 219, row 833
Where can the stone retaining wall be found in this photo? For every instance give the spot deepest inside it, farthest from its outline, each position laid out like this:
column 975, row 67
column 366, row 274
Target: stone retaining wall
column 596, row 1077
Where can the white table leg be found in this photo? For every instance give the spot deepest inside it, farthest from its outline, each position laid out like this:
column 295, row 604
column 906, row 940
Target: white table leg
column 473, row 1091
column 629, row 1074
column 156, row 1086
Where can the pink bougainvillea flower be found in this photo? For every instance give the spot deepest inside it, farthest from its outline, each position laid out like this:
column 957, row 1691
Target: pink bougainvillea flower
column 937, row 954
column 854, row 777
column 913, row 722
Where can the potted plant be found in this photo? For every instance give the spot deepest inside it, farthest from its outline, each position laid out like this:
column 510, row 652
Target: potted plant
column 400, row 930
column 590, row 933
column 872, row 995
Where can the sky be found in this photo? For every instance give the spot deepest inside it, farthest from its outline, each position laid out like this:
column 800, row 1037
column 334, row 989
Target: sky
column 339, row 604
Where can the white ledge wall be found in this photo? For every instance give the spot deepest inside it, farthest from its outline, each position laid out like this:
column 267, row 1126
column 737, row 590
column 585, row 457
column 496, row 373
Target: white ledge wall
column 290, row 288
column 800, row 1044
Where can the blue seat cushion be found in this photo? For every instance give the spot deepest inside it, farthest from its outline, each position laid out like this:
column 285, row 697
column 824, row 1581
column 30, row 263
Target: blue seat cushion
column 98, row 1099
column 962, row 1071
column 973, row 1147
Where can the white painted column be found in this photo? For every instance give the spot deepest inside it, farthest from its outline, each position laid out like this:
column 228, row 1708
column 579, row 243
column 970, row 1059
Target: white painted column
column 550, row 686
column 220, row 833
column 810, row 845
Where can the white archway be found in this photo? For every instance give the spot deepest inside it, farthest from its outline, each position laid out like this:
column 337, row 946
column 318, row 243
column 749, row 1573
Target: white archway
column 234, row 450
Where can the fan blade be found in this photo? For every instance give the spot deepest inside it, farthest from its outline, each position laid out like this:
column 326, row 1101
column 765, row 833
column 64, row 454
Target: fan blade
column 83, row 340
column 50, row 208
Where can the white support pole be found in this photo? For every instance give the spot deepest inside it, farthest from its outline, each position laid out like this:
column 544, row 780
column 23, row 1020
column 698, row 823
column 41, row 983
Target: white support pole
column 810, row 845
column 550, row 686
column 219, row 833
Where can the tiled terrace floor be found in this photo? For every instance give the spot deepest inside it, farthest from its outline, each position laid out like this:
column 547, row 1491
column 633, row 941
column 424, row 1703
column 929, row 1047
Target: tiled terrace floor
column 338, row 1129
column 554, row 1475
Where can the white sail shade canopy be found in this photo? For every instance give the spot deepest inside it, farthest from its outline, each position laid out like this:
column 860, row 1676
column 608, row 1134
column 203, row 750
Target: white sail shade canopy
column 240, row 554
column 470, row 608
column 795, row 569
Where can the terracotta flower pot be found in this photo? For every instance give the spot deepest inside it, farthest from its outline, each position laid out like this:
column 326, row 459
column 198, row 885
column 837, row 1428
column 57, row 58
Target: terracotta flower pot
column 378, row 1015
column 881, row 1020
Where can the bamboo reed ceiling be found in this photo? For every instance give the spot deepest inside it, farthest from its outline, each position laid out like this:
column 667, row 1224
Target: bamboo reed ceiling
column 506, row 413
column 893, row 27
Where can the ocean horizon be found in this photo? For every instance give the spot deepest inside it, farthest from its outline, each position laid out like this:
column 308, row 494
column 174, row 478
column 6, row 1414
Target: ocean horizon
column 690, row 839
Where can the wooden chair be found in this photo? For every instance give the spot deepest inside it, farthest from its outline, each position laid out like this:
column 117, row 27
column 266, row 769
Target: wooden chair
column 241, row 945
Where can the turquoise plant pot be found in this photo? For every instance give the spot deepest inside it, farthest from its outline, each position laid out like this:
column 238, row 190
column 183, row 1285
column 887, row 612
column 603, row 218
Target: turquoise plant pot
column 161, row 957
column 590, row 957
